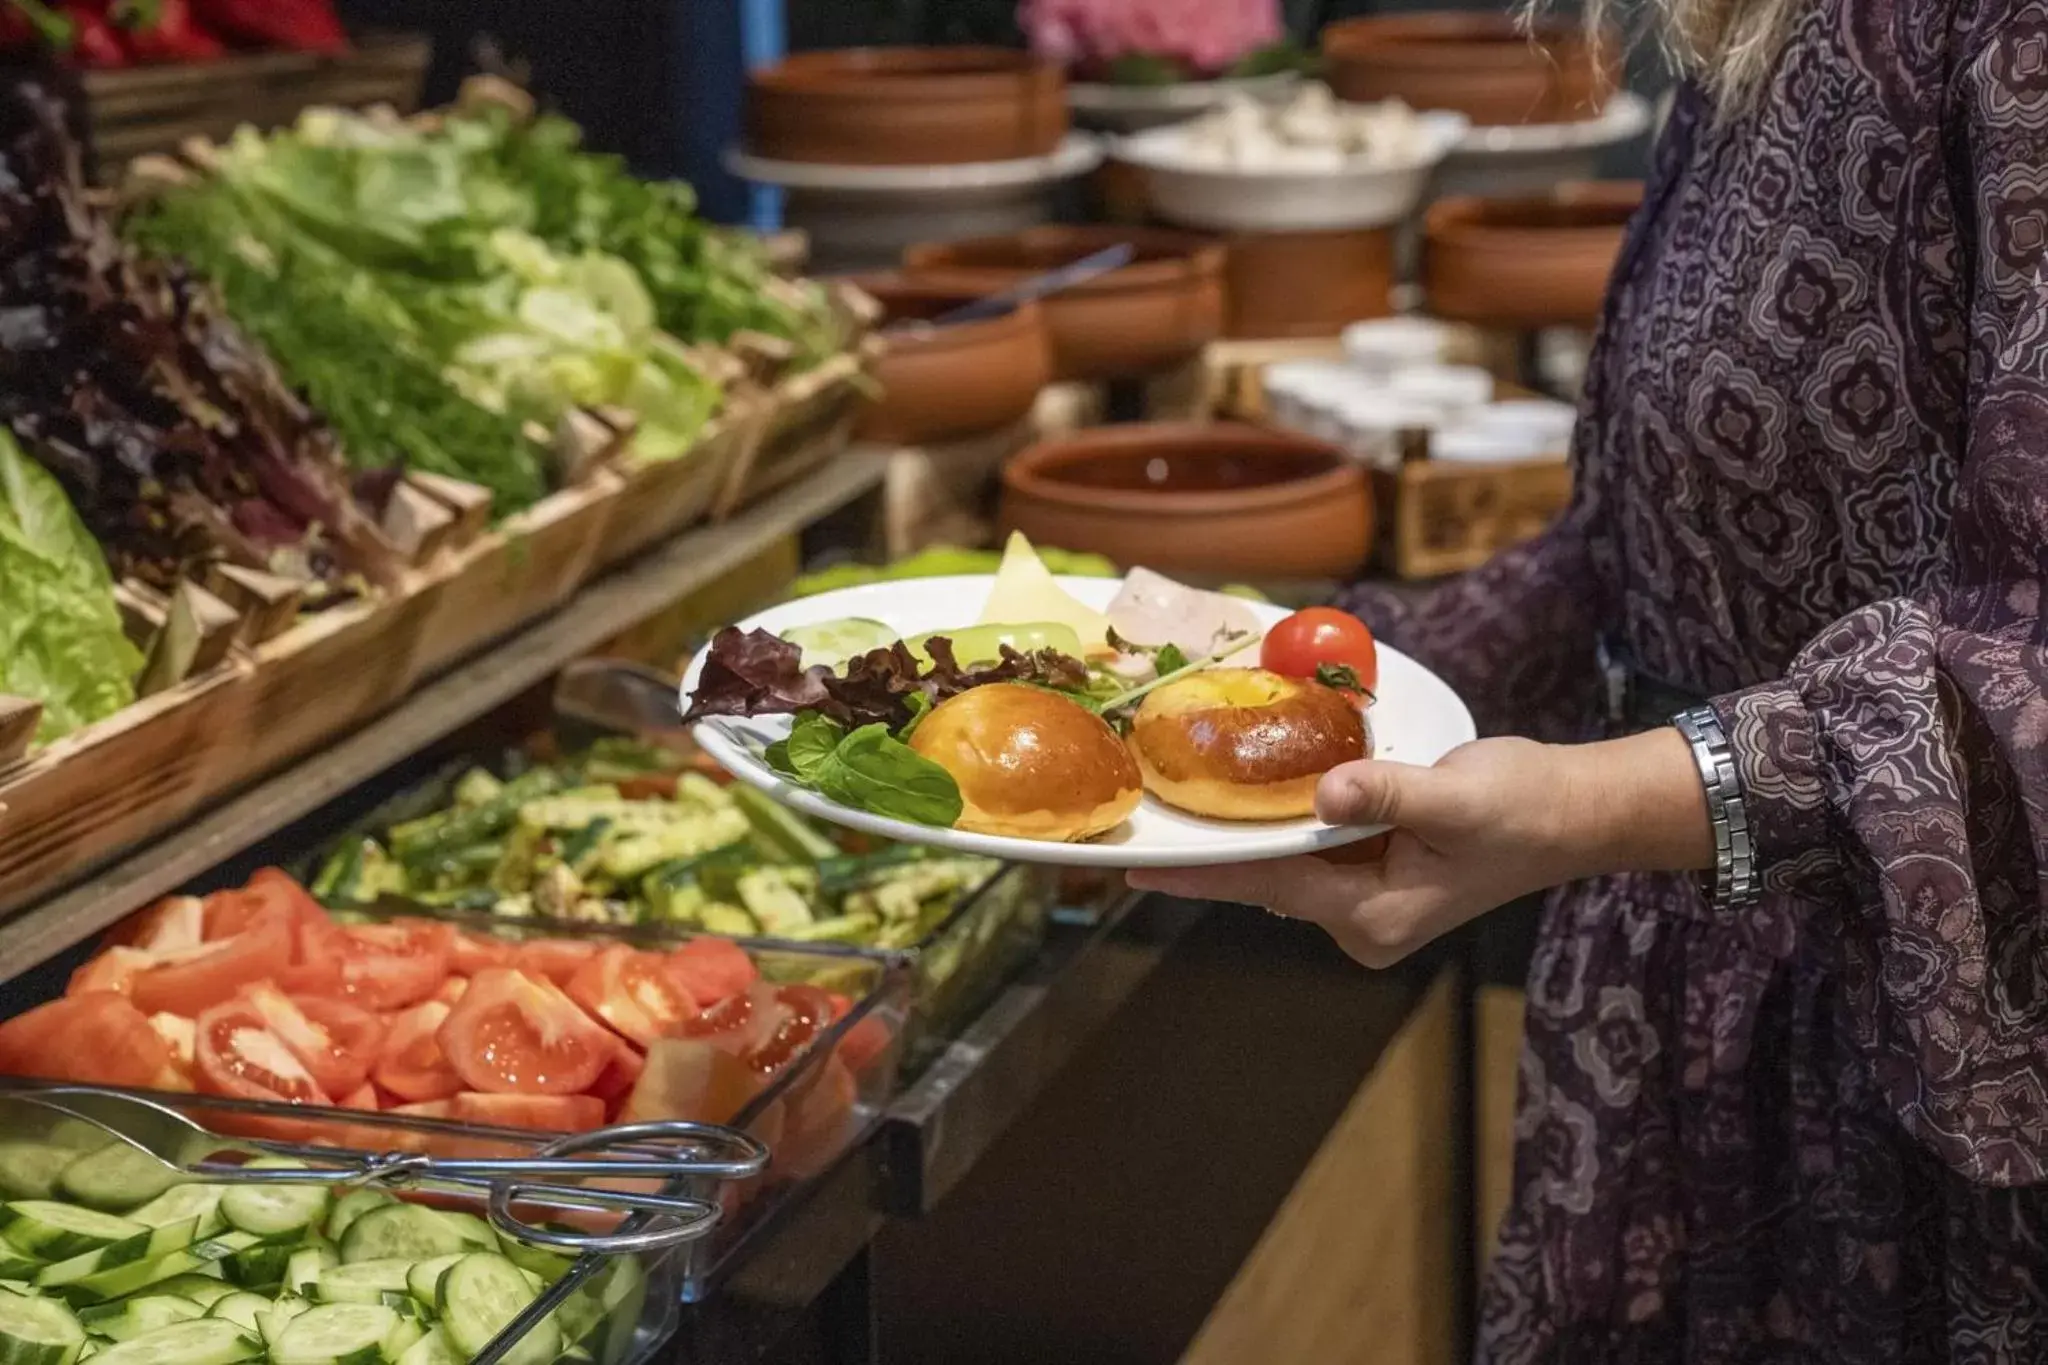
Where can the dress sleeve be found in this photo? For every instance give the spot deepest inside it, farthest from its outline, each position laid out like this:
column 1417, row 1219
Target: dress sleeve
column 1515, row 637
column 1899, row 771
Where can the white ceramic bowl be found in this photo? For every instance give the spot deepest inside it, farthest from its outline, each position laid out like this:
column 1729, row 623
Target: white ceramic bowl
column 1135, row 108
column 1375, row 423
column 1542, row 419
column 1301, row 394
column 1467, row 444
column 1367, row 193
column 1456, row 390
column 1380, row 346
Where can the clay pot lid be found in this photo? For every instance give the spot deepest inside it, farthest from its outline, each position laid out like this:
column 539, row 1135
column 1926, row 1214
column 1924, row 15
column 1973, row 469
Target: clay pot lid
column 1221, row 467
column 1162, row 256
column 907, row 301
column 1591, row 207
column 907, row 72
column 1452, row 39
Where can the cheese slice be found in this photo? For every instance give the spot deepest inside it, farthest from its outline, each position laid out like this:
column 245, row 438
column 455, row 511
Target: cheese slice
column 1026, row 591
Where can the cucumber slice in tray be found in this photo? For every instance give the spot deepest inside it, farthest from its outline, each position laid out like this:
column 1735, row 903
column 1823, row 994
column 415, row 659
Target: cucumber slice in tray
column 203, row 1341
column 38, row 1331
column 414, row 1233
column 45, row 1228
column 130, row 1318
column 343, row 1334
column 480, row 1295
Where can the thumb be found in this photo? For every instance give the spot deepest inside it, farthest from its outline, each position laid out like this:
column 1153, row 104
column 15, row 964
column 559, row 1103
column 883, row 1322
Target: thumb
column 1373, row 792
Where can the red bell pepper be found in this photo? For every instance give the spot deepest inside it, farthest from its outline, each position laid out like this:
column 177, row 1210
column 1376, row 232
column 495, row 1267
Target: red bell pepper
column 95, row 45
column 296, row 25
column 166, row 33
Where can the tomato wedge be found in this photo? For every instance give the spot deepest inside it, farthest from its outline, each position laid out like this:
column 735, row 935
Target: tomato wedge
column 513, row 1034
column 110, row 969
column 557, row 959
column 390, row 966
column 171, row 924
column 412, row 1066
column 619, row 1076
column 268, row 891
column 688, row 1078
column 362, row 1097
column 634, row 992
column 547, row 1113
column 819, row 1122
column 192, row 984
column 98, row 1038
column 451, row 990
column 713, row 968
column 333, row 1040
column 237, row 1054
column 738, row 1024
column 469, row 954
column 805, row 1013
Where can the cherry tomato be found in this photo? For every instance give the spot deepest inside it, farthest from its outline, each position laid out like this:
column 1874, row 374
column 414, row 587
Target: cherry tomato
column 1317, row 639
column 513, row 1034
column 191, row 983
column 390, row 966
column 412, row 1066
column 235, row 1053
column 634, row 992
column 99, row 1038
column 546, row 1113
column 714, row 969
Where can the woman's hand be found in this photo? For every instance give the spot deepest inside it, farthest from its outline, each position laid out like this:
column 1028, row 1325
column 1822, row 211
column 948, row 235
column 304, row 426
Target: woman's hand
column 1493, row 821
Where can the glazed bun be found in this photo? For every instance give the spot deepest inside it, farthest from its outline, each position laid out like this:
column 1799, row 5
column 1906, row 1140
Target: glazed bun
column 1030, row 763
column 1244, row 744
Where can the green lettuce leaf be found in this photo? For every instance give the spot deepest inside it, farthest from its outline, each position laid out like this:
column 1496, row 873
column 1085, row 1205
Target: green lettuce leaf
column 60, row 633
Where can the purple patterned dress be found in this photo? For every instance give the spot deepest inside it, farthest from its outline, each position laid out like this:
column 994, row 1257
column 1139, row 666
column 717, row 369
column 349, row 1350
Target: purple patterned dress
column 1813, row 484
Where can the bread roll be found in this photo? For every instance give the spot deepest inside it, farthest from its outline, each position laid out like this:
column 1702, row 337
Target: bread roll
column 1243, row 743
column 1030, row 763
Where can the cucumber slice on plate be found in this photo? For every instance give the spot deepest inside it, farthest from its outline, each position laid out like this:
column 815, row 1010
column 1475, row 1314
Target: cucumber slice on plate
column 35, row 1331
column 340, row 1334
column 42, row 1227
column 130, row 1318
column 832, row 643
column 480, row 1295
column 116, row 1176
column 204, row 1341
column 406, row 1230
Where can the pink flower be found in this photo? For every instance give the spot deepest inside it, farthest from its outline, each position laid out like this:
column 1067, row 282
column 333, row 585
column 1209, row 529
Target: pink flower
column 1205, row 35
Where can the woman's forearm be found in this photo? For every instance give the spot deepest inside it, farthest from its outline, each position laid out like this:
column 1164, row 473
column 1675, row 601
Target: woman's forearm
column 1634, row 805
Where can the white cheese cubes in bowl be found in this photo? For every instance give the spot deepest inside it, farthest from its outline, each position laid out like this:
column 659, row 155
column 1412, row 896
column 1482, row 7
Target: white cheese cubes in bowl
column 1313, row 164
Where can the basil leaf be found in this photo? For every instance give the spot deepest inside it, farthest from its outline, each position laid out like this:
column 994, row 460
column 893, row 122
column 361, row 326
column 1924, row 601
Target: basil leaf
column 811, row 741
column 1169, row 659
column 919, row 704
column 776, row 757
column 870, row 771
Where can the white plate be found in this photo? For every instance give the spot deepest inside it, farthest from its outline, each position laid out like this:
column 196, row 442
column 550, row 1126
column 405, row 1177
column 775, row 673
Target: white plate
column 1367, row 193
column 1418, row 719
column 1134, row 108
column 1076, row 155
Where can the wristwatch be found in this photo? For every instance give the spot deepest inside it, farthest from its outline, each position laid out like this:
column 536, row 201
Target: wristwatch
column 1736, row 883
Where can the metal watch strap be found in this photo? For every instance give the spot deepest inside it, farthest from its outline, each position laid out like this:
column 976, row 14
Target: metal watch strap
column 1736, row 883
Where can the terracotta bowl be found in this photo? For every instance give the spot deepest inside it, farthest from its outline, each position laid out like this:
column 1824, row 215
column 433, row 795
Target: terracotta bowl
column 1484, row 66
column 1217, row 499
column 1309, row 284
column 1153, row 314
column 1524, row 263
column 944, row 383
column 906, row 106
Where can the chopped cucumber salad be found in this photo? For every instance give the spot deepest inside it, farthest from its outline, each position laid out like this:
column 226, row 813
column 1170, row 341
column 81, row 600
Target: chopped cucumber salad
column 623, row 835
column 285, row 1274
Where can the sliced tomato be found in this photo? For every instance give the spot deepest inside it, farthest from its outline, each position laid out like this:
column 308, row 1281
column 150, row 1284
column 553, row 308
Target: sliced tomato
column 713, row 968
column 363, row 1096
column 390, row 966
column 335, row 1041
column 818, row 1123
column 547, row 1113
column 99, row 1038
column 738, row 1024
column 111, row 969
column 514, row 1034
column 619, row 1076
column 806, row 1012
column 318, row 946
column 866, row 1043
column 412, row 1066
column 195, row 983
column 557, row 959
column 171, row 924
column 428, row 1109
column 469, row 954
column 634, row 992
column 237, row 1054
column 452, row 989
column 688, row 1078
column 181, row 1036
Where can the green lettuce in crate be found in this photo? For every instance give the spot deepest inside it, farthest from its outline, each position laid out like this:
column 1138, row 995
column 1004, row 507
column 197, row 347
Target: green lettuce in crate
column 61, row 641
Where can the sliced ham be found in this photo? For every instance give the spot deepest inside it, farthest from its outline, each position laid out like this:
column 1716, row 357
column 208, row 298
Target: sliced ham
column 1153, row 610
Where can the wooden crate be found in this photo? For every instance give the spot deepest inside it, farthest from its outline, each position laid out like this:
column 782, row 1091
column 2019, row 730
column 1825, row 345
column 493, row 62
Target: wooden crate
column 1438, row 518
column 154, row 108
column 127, row 778
column 811, row 421
column 531, row 564
column 662, row 498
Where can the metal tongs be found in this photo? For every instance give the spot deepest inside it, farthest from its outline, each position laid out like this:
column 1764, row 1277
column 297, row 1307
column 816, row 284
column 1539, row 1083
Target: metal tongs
column 665, row 1152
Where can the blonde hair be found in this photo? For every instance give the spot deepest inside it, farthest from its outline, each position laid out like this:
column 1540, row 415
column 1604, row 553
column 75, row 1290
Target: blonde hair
column 1729, row 46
